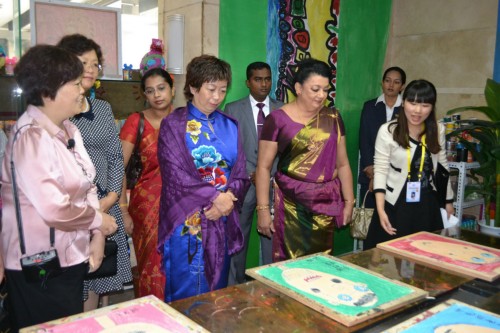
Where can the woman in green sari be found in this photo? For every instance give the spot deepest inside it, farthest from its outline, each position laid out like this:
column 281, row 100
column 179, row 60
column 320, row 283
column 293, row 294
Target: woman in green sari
column 313, row 185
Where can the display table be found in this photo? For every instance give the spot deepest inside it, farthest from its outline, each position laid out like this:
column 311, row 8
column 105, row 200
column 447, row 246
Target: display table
column 255, row 307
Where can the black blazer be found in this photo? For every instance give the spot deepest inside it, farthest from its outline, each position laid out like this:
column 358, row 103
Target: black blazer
column 372, row 117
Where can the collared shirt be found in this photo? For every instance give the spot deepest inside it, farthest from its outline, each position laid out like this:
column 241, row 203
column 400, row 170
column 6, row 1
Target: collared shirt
column 388, row 110
column 255, row 108
column 55, row 189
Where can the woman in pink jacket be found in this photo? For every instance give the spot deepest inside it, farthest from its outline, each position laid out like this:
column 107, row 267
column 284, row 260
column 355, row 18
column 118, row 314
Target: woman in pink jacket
column 54, row 180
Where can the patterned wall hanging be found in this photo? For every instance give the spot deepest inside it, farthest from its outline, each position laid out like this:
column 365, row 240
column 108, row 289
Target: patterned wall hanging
column 301, row 29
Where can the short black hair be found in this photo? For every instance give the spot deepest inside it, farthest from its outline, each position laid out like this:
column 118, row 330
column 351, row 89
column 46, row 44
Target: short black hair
column 205, row 68
column 79, row 44
column 43, row 70
column 254, row 66
column 395, row 69
column 157, row 71
column 310, row 66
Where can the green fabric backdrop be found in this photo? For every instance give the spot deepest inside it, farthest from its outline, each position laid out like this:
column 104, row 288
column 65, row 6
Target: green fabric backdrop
column 364, row 30
column 242, row 40
column 363, row 33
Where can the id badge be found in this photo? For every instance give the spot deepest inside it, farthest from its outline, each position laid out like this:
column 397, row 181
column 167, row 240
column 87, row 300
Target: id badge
column 413, row 192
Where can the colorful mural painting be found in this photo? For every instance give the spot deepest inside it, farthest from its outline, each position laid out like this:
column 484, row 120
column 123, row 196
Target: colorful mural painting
column 301, row 29
column 251, row 30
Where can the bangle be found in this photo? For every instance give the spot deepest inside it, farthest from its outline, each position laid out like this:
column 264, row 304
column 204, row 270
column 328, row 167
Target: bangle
column 123, row 205
column 262, row 207
column 350, row 201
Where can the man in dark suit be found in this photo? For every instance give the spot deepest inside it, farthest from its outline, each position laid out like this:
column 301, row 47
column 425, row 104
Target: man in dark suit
column 375, row 113
column 246, row 111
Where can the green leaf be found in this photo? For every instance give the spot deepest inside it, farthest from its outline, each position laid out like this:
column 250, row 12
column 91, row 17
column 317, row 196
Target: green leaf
column 185, row 230
column 487, row 132
column 492, row 95
column 222, row 164
column 205, row 134
column 194, row 138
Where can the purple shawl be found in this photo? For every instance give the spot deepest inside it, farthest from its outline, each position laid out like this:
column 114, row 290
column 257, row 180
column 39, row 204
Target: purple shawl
column 183, row 192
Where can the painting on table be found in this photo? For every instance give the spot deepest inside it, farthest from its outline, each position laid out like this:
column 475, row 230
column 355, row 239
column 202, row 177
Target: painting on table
column 449, row 254
column 146, row 314
column 342, row 291
column 450, row 316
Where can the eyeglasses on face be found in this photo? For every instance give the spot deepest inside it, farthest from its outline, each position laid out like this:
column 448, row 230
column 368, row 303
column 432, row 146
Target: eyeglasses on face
column 92, row 66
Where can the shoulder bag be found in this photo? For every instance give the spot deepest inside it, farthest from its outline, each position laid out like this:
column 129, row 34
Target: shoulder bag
column 134, row 166
column 39, row 267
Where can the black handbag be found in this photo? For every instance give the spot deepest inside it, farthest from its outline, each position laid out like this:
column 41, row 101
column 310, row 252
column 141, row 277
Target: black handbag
column 134, row 166
column 441, row 177
column 109, row 265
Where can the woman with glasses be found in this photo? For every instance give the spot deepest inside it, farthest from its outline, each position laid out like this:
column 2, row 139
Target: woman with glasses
column 143, row 208
column 100, row 137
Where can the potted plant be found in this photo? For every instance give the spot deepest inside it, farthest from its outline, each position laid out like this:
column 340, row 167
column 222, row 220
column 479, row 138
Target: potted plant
column 487, row 132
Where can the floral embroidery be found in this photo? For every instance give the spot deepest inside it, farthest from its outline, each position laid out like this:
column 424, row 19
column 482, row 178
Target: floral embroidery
column 194, row 129
column 209, row 163
column 216, row 177
column 193, row 226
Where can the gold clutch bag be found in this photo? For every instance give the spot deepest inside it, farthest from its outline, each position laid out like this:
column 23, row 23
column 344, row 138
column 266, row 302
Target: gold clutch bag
column 361, row 218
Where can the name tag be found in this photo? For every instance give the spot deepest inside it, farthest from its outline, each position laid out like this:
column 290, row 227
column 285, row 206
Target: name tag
column 413, row 192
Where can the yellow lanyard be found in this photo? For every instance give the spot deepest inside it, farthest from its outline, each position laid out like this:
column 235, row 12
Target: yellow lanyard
column 408, row 153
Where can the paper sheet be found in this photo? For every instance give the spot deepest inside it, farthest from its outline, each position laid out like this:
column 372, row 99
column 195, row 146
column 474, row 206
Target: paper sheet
column 448, row 222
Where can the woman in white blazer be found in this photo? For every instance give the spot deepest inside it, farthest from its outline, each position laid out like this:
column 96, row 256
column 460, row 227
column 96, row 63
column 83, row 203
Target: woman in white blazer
column 407, row 152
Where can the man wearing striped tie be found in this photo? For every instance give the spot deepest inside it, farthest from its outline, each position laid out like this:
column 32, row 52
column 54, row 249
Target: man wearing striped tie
column 250, row 112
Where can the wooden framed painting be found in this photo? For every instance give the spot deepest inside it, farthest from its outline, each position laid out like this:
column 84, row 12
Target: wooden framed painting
column 342, row 291
column 450, row 316
column 449, row 254
column 50, row 20
column 146, row 314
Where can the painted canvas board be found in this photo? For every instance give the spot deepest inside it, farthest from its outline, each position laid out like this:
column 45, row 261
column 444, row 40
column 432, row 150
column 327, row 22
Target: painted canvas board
column 342, row 291
column 146, row 314
column 450, row 316
column 449, row 254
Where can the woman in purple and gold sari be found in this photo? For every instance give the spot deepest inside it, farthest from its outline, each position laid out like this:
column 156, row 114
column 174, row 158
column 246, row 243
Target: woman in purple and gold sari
column 313, row 184
column 204, row 182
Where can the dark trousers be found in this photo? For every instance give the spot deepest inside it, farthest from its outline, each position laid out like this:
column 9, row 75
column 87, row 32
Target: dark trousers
column 238, row 260
column 32, row 303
